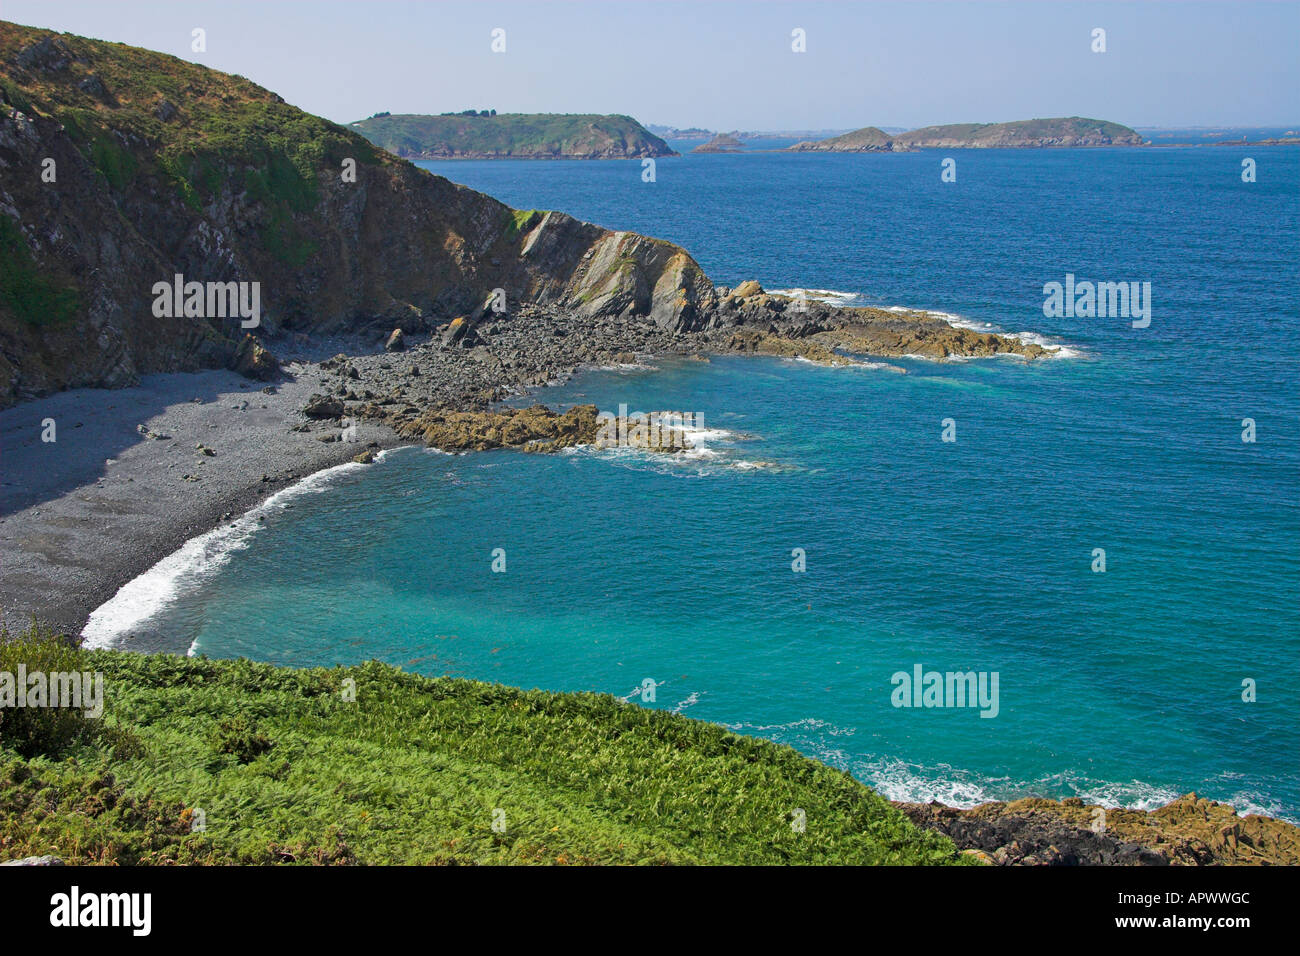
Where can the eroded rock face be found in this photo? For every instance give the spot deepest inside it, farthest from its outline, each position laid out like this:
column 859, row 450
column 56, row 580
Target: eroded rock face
column 1191, row 831
column 396, row 247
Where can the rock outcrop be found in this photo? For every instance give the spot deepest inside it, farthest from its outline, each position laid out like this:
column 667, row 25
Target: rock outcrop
column 1190, row 831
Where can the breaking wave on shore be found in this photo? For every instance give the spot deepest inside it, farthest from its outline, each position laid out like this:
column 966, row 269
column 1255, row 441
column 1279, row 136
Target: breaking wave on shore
column 110, row 624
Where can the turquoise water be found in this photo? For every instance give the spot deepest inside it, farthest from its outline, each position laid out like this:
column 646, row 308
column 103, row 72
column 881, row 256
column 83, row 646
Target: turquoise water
column 973, row 555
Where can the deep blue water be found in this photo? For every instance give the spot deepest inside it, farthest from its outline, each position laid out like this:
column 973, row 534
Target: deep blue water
column 973, row 555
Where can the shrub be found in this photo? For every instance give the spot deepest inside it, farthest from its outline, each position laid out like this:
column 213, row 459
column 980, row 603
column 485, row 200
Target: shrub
column 40, row 731
column 239, row 737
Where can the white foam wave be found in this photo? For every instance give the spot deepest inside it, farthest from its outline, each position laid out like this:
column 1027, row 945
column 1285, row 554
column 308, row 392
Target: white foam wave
column 896, row 779
column 622, row 367
column 829, row 296
column 143, row 597
column 1058, row 350
column 1062, row 351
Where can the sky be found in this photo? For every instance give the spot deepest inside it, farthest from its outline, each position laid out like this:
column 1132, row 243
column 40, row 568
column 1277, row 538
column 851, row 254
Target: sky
column 728, row 65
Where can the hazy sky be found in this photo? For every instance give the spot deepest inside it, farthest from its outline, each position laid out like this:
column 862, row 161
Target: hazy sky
column 730, row 65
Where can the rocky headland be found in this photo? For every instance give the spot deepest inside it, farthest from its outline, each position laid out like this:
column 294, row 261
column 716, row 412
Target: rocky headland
column 512, row 136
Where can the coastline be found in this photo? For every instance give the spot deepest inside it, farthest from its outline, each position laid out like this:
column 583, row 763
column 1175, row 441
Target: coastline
column 110, row 503
column 84, row 515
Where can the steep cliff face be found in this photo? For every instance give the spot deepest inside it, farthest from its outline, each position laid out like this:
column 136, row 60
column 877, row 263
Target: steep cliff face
column 161, row 167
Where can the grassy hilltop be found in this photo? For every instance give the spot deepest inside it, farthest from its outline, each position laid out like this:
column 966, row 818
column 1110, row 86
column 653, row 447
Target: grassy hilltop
column 513, row 135
column 285, row 769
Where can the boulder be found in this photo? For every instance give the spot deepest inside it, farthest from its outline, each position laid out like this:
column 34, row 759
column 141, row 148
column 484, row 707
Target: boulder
column 34, row 861
column 323, row 406
column 251, row 360
column 396, row 342
column 460, row 333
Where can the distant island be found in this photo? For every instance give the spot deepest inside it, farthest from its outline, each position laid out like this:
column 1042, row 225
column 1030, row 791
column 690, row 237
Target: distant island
column 674, row 132
column 483, row 134
column 867, row 139
column 722, row 143
column 1022, row 134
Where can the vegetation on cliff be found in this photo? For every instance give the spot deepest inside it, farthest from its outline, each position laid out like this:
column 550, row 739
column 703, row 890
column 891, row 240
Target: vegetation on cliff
column 164, row 167
column 369, row 764
column 512, row 136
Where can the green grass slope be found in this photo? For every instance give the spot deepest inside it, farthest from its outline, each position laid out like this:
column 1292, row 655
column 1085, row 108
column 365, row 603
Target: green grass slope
column 515, row 135
column 286, row 769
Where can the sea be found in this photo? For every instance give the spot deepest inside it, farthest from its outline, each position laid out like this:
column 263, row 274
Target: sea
column 1102, row 547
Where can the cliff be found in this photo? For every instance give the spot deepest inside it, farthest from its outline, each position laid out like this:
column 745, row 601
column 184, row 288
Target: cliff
column 158, row 167
column 127, row 171
column 512, row 136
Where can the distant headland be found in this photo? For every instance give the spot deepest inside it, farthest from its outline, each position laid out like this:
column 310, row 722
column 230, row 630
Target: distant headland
column 1068, row 131
column 485, row 134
